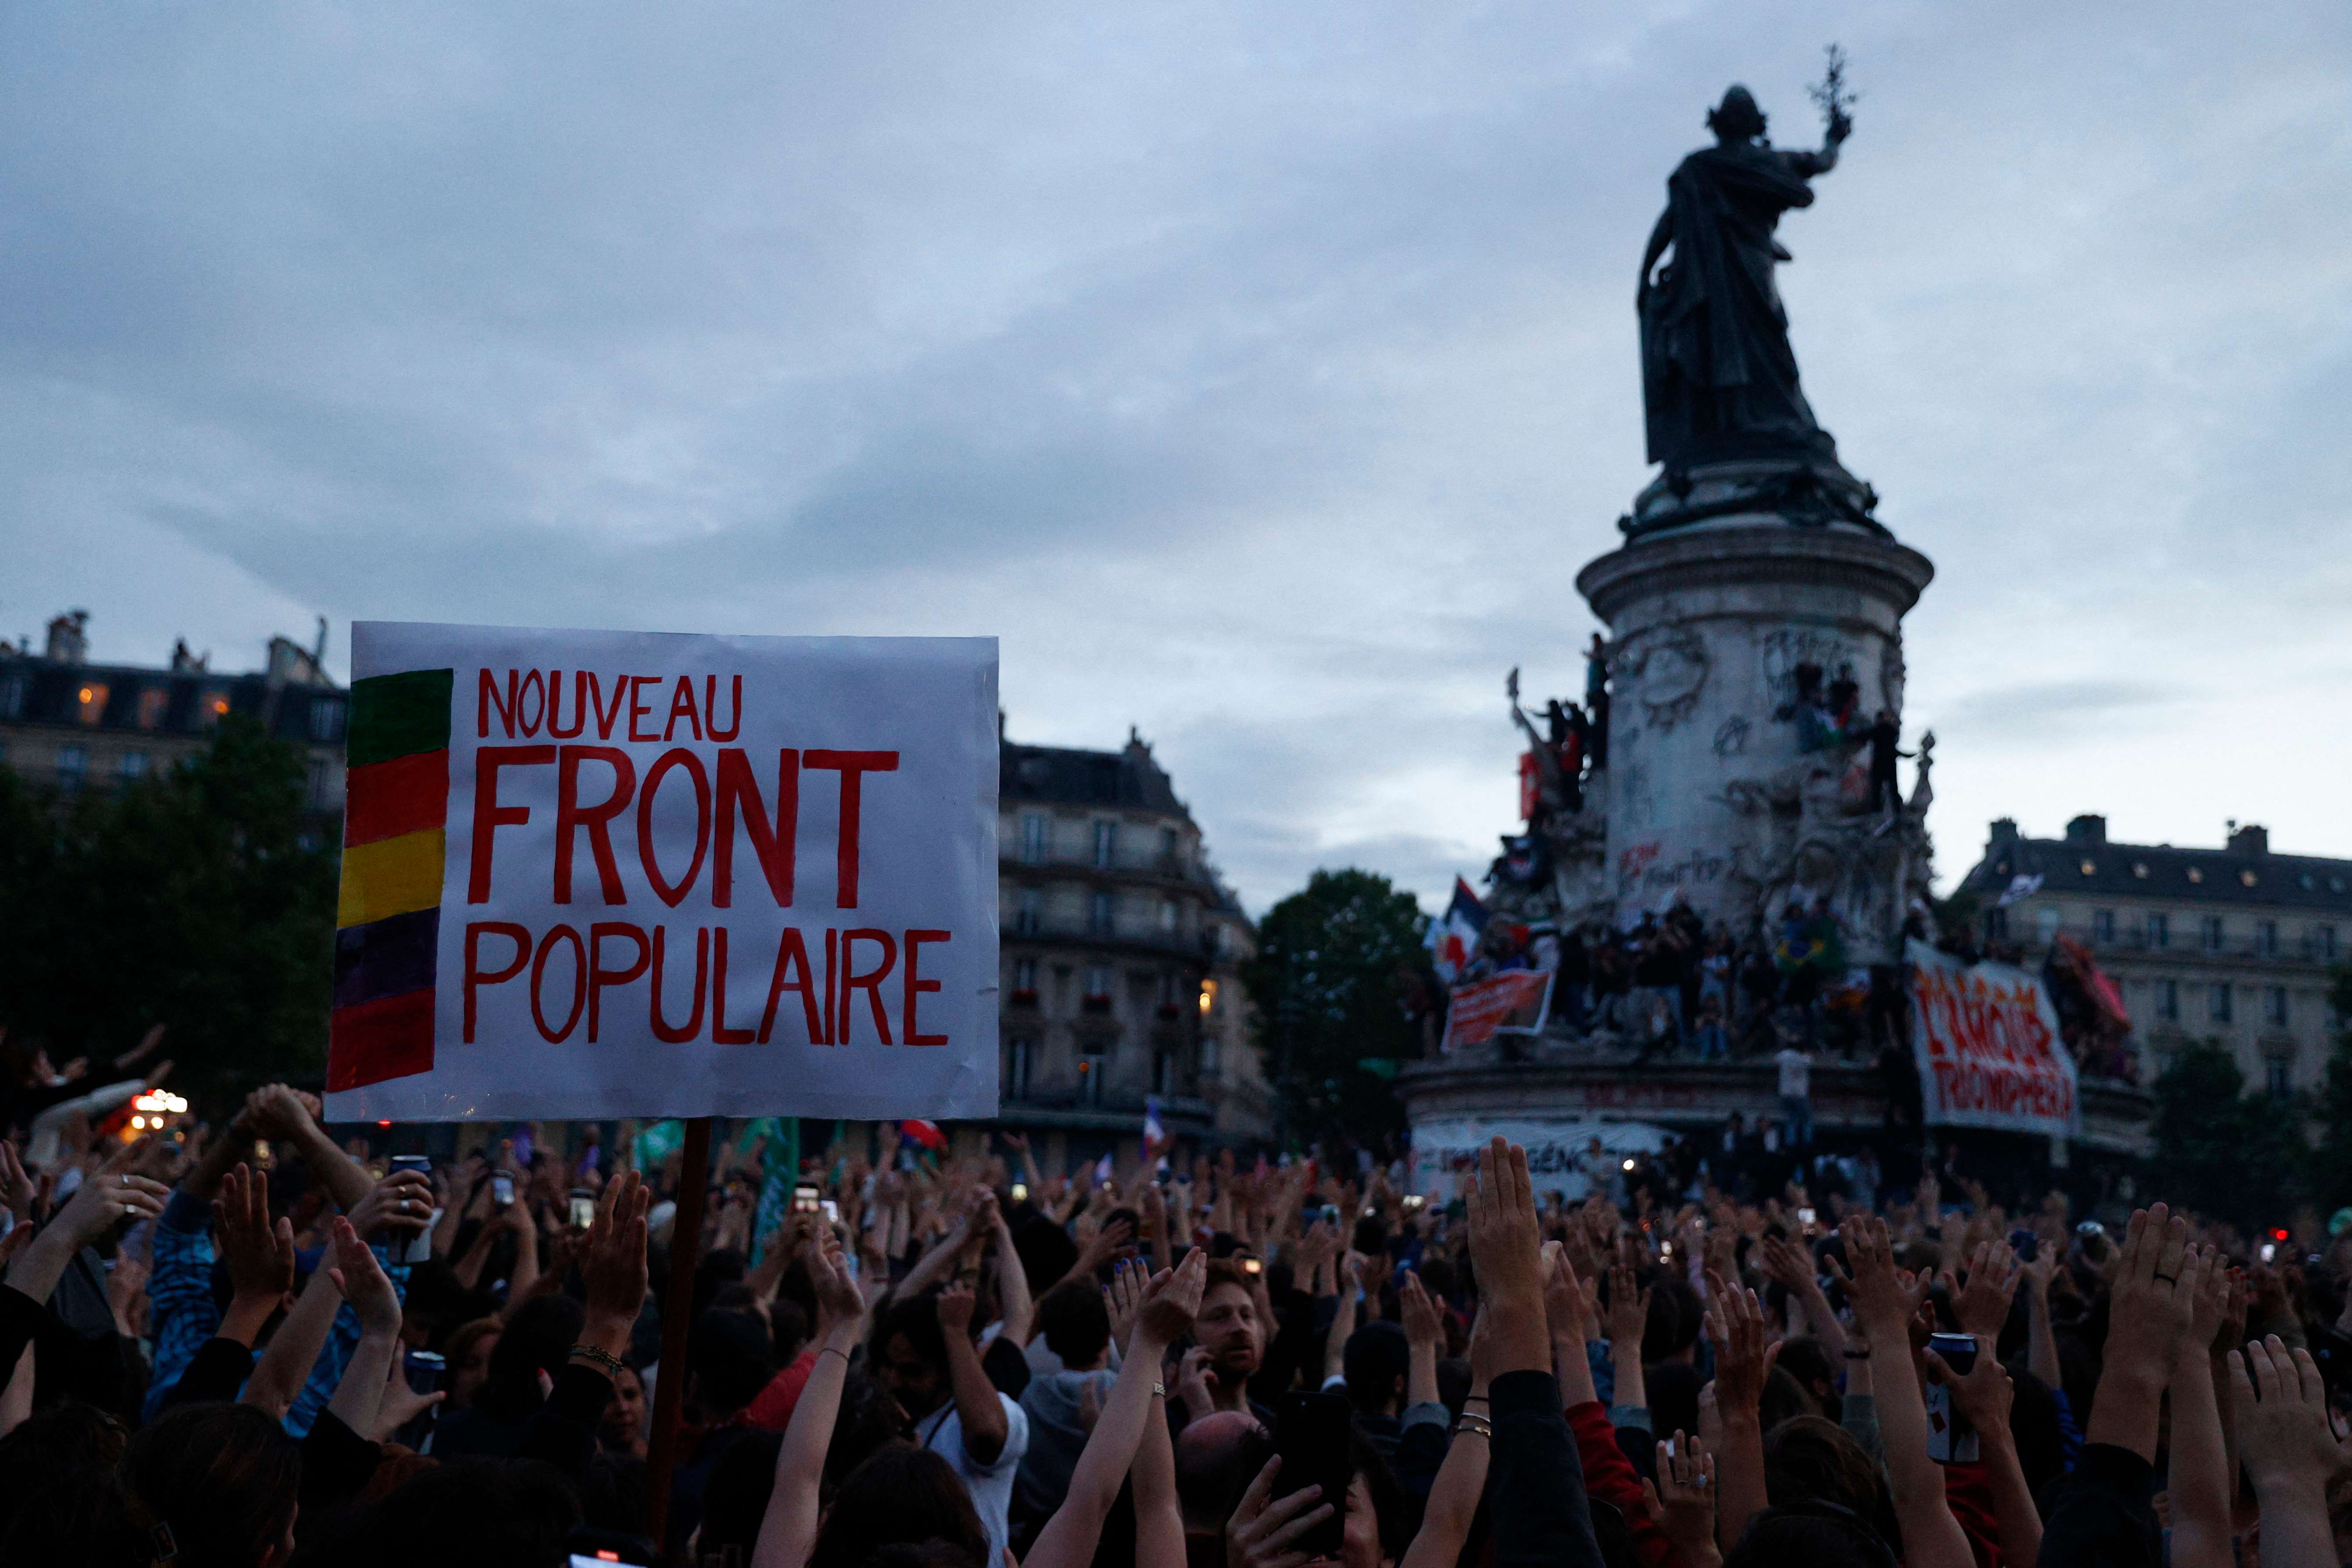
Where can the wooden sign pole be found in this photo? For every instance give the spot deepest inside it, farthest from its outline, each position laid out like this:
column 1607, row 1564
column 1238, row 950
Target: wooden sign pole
column 677, row 1304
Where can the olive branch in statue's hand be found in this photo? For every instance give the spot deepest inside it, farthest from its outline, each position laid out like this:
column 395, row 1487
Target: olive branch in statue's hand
column 1834, row 96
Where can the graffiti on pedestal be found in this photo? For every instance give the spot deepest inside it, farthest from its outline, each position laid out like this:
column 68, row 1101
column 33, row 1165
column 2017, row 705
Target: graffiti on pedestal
column 1669, row 669
column 1644, row 868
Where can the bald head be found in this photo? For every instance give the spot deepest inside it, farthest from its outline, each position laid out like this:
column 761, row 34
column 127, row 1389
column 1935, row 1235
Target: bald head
column 1216, row 1458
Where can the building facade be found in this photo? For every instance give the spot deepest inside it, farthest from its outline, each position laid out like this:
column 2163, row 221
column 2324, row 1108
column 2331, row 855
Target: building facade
column 2236, row 945
column 76, row 725
column 1121, row 954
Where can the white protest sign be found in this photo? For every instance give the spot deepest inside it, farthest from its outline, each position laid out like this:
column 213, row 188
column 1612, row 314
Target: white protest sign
column 615, row 873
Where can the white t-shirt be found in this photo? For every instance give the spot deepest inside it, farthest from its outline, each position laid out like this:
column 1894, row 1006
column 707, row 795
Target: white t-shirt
column 1796, row 1073
column 991, row 1486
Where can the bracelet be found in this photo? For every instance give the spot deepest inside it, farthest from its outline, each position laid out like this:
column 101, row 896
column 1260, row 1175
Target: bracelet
column 1158, row 1391
column 603, row 1358
column 1476, row 1425
column 823, row 1350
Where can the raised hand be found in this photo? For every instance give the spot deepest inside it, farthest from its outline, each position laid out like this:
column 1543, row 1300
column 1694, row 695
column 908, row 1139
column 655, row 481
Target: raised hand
column 955, row 1305
column 1506, row 1250
column 110, row 1196
column 1629, row 1310
column 839, row 1301
column 1882, row 1303
column 2150, row 1309
column 259, row 1258
column 1263, row 1529
column 1735, row 1323
column 1985, row 1395
column 17, row 1188
column 1168, row 1304
column 402, row 1204
column 1567, row 1311
column 1681, row 1502
column 1193, row 1383
column 363, row 1282
column 400, row 1405
column 611, row 1261
column 1982, row 1304
column 1424, row 1320
column 1122, row 1296
column 2281, row 1401
column 1113, row 1240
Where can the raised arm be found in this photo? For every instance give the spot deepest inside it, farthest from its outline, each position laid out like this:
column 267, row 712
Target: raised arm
column 364, row 1283
column 1734, row 1325
column 978, row 1407
column 2200, row 1472
column 788, row 1530
column 1628, row 1316
column 1343, row 1322
column 2282, row 1404
column 291, row 1116
column 1932, row 1538
column 1165, row 1316
column 1453, row 1504
column 1011, row 1280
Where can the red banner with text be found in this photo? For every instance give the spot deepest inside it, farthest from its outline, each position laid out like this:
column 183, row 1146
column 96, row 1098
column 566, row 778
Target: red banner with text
column 1986, row 1038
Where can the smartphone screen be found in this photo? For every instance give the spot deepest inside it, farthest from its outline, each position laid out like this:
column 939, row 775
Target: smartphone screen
column 502, row 1189
column 583, row 1208
column 830, row 1209
column 1311, row 1432
column 804, row 1199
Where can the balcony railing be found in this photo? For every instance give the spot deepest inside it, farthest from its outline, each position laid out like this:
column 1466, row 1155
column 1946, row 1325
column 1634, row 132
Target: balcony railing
column 2190, row 944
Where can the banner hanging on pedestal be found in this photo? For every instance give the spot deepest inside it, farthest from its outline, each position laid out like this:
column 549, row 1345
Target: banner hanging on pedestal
column 1986, row 1038
column 1512, row 1003
column 608, row 873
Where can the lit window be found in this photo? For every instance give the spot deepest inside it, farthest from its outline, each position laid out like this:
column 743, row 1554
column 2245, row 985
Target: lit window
column 1208, row 997
column 2195, row 873
column 89, row 701
column 2139, row 870
column 2090, row 868
column 2247, row 878
column 212, row 706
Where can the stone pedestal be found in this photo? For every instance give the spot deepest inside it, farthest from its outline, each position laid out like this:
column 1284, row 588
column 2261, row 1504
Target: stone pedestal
column 1709, row 794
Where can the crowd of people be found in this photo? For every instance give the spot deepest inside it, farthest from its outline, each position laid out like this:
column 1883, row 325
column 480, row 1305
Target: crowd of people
column 262, row 1345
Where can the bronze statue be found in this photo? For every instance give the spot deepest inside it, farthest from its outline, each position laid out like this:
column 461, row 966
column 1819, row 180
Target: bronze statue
column 1719, row 377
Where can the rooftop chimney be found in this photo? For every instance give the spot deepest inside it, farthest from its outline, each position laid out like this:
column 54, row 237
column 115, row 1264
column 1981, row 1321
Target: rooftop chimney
column 69, row 639
column 2088, row 830
column 2250, row 840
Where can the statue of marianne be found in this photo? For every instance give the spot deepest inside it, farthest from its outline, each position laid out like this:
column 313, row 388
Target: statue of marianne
column 1718, row 378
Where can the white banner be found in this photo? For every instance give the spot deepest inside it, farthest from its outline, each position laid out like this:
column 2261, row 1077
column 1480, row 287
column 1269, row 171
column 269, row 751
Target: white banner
column 612, row 874
column 1556, row 1151
column 1987, row 1042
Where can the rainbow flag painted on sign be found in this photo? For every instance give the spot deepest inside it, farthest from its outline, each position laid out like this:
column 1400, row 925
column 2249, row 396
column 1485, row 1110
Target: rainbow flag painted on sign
column 388, row 916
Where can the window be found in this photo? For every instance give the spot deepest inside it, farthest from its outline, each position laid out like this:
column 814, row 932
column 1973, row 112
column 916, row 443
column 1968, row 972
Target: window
column 1092, row 1070
column 1106, row 844
column 154, row 703
column 2045, row 925
column 2103, row 926
column 212, row 706
column 1209, row 1057
column 1997, row 925
column 1035, row 836
column 1168, row 845
column 72, row 762
column 1098, row 980
column 2168, row 1000
column 2212, row 932
column 2217, row 1002
column 12, row 696
column 1029, row 913
column 2275, row 1006
column 89, row 702
column 1167, row 917
column 2266, row 937
column 322, row 784
column 1025, row 975
column 132, row 764
column 2322, row 943
column 1163, row 1072
column 1208, row 997
column 1020, row 1056
column 1098, row 914
column 326, row 720
column 2278, row 1076
column 2159, row 929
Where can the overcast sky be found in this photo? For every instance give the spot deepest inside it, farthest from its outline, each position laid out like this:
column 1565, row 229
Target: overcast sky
column 1260, row 373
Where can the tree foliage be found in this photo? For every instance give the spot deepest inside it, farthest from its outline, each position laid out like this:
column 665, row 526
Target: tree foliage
column 1334, row 962
column 202, row 899
column 2331, row 1162
column 2224, row 1153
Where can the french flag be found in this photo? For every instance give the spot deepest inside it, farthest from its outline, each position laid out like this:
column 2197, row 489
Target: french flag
column 1453, row 936
column 926, row 1133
